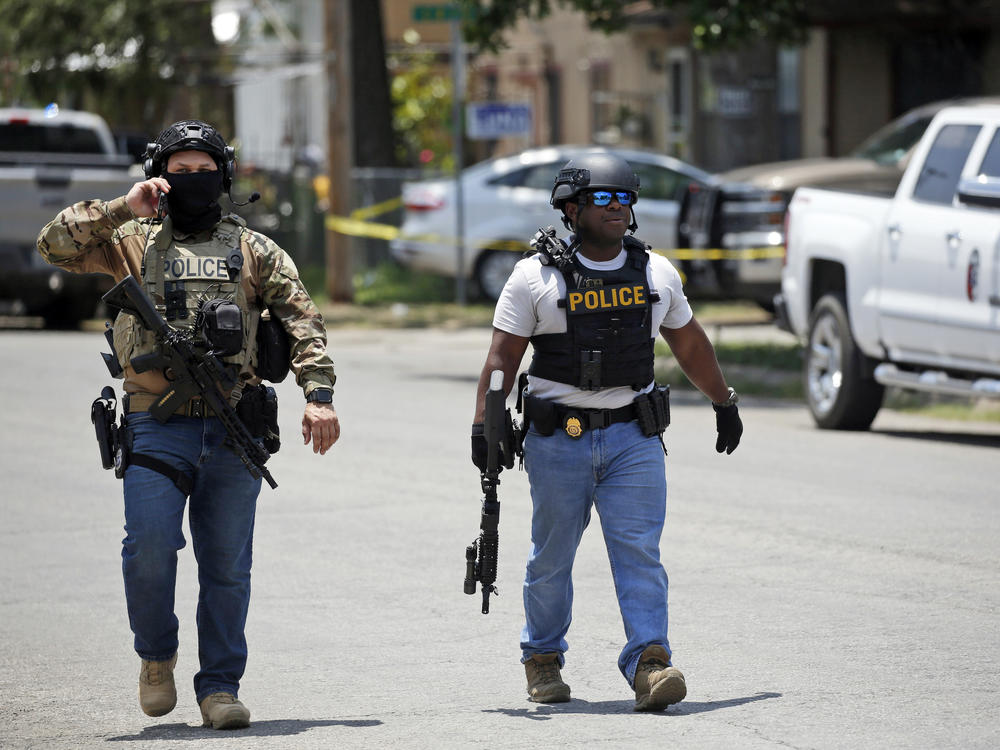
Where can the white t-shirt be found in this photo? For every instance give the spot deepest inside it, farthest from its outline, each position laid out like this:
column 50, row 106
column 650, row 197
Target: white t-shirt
column 528, row 306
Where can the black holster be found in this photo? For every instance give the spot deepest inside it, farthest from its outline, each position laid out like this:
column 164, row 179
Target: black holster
column 258, row 410
column 653, row 410
column 102, row 415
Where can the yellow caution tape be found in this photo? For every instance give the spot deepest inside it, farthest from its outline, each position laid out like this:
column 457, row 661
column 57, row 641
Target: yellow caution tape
column 706, row 253
column 355, row 227
column 368, row 212
column 358, row 228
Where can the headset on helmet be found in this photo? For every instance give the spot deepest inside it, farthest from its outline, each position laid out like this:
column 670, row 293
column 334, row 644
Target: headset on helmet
column 190, row 135
column 595, row 171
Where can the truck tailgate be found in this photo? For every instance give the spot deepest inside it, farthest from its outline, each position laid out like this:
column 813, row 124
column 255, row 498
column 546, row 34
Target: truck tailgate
column 33, row 195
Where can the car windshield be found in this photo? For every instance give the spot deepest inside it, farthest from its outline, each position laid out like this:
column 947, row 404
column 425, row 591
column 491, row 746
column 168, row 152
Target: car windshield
column 891, row 143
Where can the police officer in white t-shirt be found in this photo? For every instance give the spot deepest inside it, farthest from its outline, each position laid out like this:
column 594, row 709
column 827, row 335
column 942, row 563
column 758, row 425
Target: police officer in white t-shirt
column 591, row 307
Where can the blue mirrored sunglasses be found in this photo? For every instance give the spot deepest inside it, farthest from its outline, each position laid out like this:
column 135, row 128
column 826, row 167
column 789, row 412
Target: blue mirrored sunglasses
column 603, row 197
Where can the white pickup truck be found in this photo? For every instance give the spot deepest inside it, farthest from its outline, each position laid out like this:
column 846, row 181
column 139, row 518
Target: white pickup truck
column 50, row 159
column 901, row 290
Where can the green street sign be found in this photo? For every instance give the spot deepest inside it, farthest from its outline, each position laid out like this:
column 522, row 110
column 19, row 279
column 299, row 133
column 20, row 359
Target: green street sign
column 437, row 13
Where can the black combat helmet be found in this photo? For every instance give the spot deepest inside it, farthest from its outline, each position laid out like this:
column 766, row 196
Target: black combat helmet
column 594, row 171
column 189, row 135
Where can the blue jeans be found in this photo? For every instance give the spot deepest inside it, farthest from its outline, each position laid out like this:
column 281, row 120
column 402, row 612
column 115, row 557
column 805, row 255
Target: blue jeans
column 221, row 516
column 621, row 473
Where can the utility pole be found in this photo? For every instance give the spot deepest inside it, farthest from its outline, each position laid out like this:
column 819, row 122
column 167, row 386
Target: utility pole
column 340, row 145
column 458, row 136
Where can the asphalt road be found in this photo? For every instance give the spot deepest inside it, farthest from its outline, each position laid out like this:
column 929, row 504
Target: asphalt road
column 828, row 590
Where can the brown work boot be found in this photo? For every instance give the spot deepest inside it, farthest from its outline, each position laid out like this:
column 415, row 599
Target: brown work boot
column 157, row 692
column 544, row 682
column 657, row 684
column 223, row 711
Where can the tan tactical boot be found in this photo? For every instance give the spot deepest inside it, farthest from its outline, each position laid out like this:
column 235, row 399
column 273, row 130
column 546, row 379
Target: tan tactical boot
column 657, row 685
column 223, row 711
column 157, row 692
column 544, row 682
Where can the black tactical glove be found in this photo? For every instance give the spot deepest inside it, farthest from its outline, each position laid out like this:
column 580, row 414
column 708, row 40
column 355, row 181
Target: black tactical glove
column 480, row 448
column 729, row 426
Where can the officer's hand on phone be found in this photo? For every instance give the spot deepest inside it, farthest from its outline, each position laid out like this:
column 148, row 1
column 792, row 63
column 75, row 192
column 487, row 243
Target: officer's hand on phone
column 729, row 426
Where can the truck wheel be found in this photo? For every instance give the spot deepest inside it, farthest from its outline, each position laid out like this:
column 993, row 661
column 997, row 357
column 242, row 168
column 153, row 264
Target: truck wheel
column 492, row 270
column 839, row 392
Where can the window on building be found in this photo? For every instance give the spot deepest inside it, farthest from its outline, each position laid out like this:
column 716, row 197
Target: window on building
column 943, row 166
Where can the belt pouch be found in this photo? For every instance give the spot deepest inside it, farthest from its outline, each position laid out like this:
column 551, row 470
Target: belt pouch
column 645, row 414
column 653, row 410
column 273, row 349
column 258, row 410
column 540, row 413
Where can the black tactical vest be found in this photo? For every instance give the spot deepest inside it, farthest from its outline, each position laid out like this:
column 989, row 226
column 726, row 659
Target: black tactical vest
column 609, row 338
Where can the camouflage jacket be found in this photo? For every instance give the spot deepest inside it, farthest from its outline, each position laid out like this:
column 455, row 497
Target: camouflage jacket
column 106, row 237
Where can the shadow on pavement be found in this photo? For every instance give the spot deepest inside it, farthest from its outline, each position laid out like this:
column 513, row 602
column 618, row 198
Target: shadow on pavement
column 545, row 711
column 699, row 707
column 275, row 728
column 960, row 438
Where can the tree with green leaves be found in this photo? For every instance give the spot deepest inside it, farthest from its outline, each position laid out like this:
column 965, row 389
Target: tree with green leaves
column 422, row 109
column 138, row 63
column 714, row 23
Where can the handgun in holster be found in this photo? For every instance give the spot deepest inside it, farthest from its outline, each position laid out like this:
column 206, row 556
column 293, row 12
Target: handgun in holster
column 109, row 435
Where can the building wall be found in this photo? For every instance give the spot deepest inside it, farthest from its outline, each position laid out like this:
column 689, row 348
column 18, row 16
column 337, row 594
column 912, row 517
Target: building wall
column 641, row 87
column 814, row 94
column 862, row 88
column 279, row 96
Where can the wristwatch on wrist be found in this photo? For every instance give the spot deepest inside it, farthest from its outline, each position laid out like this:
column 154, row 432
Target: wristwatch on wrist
column 320, row 396
column 731, row 401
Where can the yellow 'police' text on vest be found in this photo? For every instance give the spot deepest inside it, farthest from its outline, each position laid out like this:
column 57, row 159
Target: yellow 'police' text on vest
column 619, row 297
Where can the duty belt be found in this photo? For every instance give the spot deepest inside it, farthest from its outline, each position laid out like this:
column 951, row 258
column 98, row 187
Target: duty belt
column 196, row 407
column 597, row 419
column 549, row 415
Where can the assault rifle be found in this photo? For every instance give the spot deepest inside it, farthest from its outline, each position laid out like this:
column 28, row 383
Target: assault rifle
column 481, row 555
column 191, row 374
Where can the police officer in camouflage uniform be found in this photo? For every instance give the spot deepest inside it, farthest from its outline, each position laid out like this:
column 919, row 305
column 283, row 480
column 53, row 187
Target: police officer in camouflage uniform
column 591, row 308
column 181, row 261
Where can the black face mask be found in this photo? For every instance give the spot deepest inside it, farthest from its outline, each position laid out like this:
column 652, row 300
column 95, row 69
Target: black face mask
column 193, row 200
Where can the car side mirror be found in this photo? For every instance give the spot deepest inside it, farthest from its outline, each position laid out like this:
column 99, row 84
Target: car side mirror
column 980, row 191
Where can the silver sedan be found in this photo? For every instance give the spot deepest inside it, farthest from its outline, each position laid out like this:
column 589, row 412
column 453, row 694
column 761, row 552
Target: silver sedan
column 506, row 200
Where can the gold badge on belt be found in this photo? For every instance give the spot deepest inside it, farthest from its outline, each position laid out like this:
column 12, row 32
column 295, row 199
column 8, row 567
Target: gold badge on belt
column 573, row 427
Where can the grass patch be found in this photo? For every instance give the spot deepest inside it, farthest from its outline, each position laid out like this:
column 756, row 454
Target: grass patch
column 754, row 368
column 386, row 284
column 768, row 355
column 404, row 315
column 391, row 283
column 728, row 312
column 942, row 406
